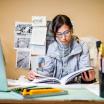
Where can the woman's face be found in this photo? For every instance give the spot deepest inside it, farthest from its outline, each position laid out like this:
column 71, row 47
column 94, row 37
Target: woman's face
column 64, row 34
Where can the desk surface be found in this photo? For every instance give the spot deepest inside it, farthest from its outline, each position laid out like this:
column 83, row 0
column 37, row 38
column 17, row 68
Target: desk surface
column 74, row 94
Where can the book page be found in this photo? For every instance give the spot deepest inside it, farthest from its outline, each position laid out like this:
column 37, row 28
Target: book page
column 72, row 75
column 63, row 81
column 50, row 80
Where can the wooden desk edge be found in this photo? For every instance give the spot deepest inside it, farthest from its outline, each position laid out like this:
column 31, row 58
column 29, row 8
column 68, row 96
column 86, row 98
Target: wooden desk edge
column 50, row 102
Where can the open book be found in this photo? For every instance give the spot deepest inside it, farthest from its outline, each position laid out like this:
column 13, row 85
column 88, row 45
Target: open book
column 63, row 80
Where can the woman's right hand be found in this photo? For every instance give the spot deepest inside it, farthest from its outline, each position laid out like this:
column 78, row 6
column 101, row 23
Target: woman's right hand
column 31, row 75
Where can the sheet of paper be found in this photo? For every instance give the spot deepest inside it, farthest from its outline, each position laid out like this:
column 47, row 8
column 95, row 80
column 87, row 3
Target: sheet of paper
column 38, row 49
column 38, row 20
column 38, row 36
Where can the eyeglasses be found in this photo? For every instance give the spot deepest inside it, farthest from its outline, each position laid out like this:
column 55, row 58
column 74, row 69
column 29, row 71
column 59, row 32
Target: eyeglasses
column 65, row 33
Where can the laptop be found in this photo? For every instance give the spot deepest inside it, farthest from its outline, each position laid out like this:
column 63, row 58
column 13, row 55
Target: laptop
column 3, row 79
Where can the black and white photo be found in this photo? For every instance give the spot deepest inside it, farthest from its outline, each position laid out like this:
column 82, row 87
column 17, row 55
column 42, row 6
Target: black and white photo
column 22, row 42
column 23, row 59
column 23, row 29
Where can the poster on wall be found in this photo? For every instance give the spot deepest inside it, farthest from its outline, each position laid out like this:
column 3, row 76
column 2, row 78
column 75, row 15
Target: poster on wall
column 30, row 39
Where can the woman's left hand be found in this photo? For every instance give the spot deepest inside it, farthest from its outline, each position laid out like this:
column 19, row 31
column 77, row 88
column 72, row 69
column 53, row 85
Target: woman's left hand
column 88, row 75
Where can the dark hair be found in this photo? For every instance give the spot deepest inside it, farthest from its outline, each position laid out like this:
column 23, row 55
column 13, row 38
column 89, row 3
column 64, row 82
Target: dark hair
column 60, row 20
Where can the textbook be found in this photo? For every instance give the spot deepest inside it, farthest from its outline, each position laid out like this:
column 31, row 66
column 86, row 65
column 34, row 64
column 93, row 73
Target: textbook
column 62, row 81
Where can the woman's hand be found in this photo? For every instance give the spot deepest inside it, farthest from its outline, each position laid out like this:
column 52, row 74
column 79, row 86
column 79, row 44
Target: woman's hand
column 88, row 75
column 32, row 75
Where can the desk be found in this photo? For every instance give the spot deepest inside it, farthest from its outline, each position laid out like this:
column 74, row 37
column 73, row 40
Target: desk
column 75, row 95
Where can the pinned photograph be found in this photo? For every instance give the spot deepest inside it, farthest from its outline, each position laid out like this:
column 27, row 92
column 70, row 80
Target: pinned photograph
column 23, row 29
column 22, row 42
column 23, row 59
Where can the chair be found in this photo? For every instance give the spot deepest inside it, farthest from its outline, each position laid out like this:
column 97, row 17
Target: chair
column 91, row 42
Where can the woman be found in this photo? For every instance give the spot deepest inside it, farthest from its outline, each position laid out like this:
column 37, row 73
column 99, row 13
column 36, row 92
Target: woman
column 67, row 54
